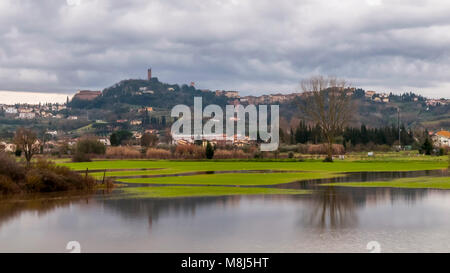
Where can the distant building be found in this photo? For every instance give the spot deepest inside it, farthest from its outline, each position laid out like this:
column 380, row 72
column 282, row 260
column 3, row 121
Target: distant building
column 137, row 135
column 136, row 122
column 149, row 74
column 228, row 94
column 72, row 118
column 8, row 147
column 442, row 139
column 105, row 141
column 87, row 95
column 27, row 115
column 370, row 94
column 52, row 133
column 11, row 110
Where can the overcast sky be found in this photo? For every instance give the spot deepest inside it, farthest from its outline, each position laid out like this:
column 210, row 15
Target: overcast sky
column 253, row 46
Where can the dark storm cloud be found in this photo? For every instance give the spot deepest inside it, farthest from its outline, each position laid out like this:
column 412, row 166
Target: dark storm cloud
column 255, row 46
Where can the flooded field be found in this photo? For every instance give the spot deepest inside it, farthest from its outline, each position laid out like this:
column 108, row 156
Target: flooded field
column 331, row 219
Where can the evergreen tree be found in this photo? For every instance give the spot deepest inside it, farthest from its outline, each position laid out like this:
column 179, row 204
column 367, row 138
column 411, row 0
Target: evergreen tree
column 427, row 147
column 209, row 151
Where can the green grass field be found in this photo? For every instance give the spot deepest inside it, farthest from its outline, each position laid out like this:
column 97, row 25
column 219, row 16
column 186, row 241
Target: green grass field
column 177, row 191
column 171, row 167
column 195, row 184
column 243, row 179
column 412, row 183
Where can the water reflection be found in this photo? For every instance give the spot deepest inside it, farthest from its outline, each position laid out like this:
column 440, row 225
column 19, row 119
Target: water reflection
column 13, row 207
column 153, row 209
column 106, row 222
column 330, row 209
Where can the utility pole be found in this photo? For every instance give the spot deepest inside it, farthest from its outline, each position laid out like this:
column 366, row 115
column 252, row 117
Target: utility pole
column 398, row 124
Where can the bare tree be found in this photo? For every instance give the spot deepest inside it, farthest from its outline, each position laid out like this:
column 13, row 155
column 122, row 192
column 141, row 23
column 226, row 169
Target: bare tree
column 325, row 102
column 149, row 140
column 27, row 141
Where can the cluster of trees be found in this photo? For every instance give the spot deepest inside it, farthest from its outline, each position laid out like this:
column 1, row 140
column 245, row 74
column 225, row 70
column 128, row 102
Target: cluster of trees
column 381, row 136
column 388, row 135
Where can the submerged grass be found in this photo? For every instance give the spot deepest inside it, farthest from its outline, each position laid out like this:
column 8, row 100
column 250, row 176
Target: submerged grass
column 306, row 170
column 424, row 182
column 177, row 191
column 243, row 179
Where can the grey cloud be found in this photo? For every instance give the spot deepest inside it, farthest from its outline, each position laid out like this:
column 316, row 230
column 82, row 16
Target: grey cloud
column 255, row 46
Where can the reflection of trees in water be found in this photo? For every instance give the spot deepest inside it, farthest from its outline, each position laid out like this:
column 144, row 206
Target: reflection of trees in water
column 330, row 209
column 361, row 177
column 336, row 207
column 155, row 208
column 13, row 206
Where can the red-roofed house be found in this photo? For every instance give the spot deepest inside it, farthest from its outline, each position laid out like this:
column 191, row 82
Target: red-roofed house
column 442, row 139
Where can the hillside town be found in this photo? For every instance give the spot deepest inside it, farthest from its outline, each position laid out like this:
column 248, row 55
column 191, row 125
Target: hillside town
column 138, row 123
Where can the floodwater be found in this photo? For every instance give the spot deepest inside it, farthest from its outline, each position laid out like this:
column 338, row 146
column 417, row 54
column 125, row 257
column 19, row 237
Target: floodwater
column 333, row 219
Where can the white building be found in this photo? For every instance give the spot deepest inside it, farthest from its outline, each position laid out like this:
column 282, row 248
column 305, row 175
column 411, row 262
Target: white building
column 52, row 133
column 9, row 148
column 442, row 139
column 105, row 141
column 27, row 115
column 11, row 110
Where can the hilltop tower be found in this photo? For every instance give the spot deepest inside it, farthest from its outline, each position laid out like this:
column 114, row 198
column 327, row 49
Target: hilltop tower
column 149, row 74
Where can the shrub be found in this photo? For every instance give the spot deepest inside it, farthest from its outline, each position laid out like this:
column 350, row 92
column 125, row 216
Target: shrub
column 41, row 176
column 90, row 146
column 149, row 140
column 230, row 154
column 45, row 176
column 288, row 148
column 81, row 157
column 119, row 137
column 155, row 153
column 209, row 152
column 322, row 149
column 7, row 185
column 427, row 147
column 86, row 147
column 10, row 168
column 189, row 152
column 122, row 152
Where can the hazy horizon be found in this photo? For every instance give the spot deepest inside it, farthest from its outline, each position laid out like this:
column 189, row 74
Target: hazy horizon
column 30, row 97
column 13, row 97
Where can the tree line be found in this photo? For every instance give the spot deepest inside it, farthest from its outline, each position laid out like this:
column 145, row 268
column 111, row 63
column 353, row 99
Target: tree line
column 387, row 135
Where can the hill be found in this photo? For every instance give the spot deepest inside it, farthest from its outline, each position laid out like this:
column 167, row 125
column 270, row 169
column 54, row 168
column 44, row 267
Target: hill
column 415, row 110
column 147, row 93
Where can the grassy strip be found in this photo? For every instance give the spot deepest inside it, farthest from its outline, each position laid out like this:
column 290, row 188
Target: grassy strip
column 191, row 166
column 172, row 192
column 412, row 183
column 242, row 179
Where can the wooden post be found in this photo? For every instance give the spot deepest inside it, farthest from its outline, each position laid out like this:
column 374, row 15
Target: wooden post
column 104, row 174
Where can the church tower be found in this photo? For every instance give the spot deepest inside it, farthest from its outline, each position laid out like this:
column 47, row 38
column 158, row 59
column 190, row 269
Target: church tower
column 149, row 74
